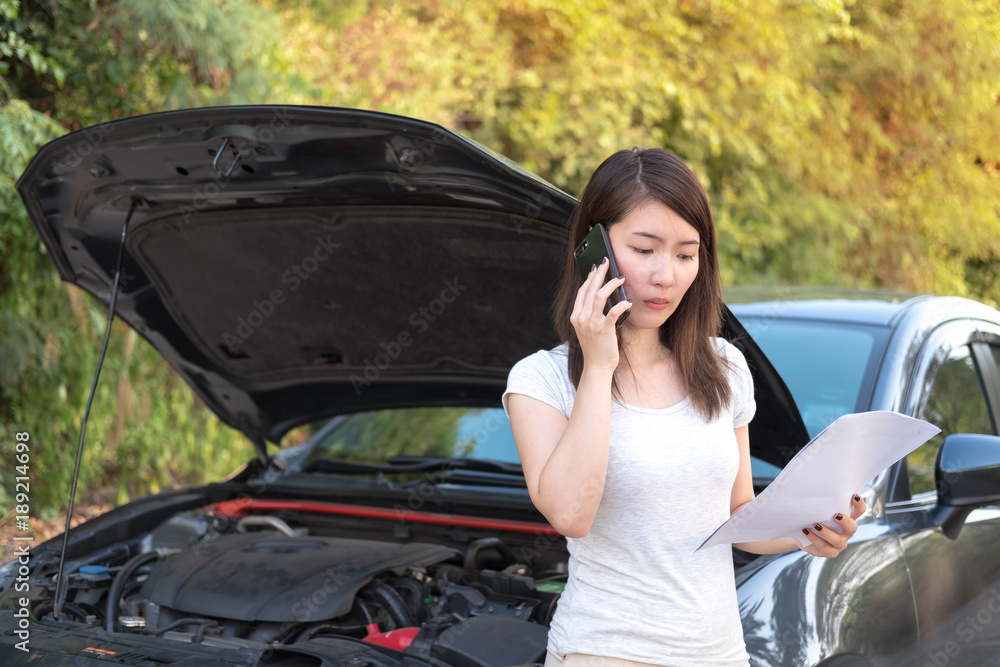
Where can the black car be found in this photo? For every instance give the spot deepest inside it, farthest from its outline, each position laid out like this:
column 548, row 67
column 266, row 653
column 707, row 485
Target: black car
column 919, row 584
column 371, row 279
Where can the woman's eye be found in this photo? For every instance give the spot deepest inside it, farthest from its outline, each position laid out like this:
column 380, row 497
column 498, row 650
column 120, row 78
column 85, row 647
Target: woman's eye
column 686, row 257
column 643, row 251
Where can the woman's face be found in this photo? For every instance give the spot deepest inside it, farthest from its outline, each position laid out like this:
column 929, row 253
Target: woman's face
column 657, row 252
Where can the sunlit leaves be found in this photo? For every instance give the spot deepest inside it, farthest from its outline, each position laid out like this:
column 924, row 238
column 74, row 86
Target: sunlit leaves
column 841, row 142
column 147, row 430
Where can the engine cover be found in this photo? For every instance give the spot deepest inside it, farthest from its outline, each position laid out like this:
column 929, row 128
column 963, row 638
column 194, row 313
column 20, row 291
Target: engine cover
column 268, row 577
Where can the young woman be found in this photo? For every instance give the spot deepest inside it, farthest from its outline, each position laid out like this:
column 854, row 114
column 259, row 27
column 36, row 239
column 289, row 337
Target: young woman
column 634, row 440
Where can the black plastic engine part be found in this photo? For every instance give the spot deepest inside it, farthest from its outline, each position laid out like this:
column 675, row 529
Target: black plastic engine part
column 342, row 652
column 466, row 601
column 486, row 641
column 264, row 577
column 508, row 584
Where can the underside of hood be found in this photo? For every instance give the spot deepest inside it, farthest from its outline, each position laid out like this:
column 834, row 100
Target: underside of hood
column 295, row 262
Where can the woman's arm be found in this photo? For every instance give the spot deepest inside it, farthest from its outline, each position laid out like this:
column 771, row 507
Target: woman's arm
column 565, row 461
column 824, row 542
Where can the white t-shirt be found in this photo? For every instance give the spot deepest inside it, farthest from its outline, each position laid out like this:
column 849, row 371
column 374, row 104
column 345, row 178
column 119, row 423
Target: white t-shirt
column 637, row 588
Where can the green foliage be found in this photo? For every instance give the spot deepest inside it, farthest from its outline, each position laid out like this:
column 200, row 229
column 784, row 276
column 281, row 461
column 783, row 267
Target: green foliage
column 89, row 62
column 146, row 430
column 840, row 143
column 924, row 126
column 81, row 66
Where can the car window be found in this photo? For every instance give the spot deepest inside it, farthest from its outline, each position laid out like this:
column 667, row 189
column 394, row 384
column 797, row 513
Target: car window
column 824, row 365
column 955, row 403
column 478, row 433
column 760, row 469
column 374, row 436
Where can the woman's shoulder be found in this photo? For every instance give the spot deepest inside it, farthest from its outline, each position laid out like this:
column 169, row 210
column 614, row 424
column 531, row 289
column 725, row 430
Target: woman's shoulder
column 543, row 375
column 725, row 348
column 555, row 359
column 731, row 354
column 740, row 381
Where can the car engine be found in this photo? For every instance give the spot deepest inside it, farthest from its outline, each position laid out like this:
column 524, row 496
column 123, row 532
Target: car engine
column 257, row 583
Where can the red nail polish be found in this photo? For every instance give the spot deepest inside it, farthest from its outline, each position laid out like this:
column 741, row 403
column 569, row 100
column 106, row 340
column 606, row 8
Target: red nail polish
column 818, row 527
column 839, row 516
column 857, row 498
column 805, row 531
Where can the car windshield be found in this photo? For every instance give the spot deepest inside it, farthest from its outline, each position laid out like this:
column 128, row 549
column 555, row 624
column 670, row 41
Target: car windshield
column 827, row 366
column 382, row 436
column 403, row 437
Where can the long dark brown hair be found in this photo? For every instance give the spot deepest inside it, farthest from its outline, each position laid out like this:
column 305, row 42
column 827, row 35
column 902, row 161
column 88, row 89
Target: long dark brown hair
column 622, row 182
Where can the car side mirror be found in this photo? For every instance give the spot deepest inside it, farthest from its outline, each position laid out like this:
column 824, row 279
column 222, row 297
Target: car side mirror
column 967, row 475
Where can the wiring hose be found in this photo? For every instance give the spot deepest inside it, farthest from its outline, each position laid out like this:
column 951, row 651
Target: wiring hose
column 330, row 629
column 46, row 607
column 118, row 586
column 390, row 600
column 416, row 594
column 487, row 543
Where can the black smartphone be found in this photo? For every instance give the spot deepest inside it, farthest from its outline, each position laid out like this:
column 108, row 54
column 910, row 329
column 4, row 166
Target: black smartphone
column 592, row 250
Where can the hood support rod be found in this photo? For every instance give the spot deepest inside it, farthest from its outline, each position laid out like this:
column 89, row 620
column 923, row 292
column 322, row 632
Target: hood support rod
column 60, row 584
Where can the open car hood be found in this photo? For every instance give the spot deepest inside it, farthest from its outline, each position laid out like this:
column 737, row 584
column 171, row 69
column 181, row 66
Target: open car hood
column 295, row 262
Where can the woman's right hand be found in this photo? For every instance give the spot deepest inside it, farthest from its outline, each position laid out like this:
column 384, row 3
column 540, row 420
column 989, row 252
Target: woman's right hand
column 595, row 330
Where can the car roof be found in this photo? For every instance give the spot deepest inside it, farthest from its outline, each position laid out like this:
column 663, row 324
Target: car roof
column 849, row 306
column 855, row 306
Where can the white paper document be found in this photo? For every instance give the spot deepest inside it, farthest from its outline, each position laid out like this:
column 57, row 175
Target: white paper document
column 819, row 481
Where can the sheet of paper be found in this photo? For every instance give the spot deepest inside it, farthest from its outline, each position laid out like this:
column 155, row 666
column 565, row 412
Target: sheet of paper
column 820, row 480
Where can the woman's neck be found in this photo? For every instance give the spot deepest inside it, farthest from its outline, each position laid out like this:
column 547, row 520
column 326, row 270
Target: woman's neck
column 647, row 375
column 643, row 348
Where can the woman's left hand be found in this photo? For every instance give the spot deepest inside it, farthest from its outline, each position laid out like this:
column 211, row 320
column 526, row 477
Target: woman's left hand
column 827, row 542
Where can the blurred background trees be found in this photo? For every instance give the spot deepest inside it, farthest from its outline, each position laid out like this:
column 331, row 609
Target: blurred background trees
column 842, row 143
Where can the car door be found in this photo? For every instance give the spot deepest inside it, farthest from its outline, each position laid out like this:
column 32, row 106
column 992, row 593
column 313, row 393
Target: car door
column 956, row 581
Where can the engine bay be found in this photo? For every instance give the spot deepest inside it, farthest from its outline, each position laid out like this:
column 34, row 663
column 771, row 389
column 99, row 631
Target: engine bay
column 292, row 588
